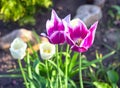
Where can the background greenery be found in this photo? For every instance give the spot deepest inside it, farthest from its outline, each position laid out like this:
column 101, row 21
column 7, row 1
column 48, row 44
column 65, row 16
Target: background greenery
column 22, row 10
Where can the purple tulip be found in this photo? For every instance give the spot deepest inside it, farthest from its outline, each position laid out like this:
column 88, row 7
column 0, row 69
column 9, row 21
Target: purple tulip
column 55, row 28
column 79, row 37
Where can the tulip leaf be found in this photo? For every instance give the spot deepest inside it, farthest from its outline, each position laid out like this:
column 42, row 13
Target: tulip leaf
column 99, row 60
column 73, row 61
column 38, row 81
column 66, row 54
column 35, row 63
column 10, row 75
column 52, row 63
column 101, row 85
column 113, row 76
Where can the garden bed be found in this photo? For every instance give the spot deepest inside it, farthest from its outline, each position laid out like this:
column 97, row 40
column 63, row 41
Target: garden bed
column 60, row 6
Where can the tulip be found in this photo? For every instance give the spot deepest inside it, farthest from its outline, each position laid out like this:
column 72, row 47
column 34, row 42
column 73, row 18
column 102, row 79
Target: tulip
column 47, row 50
column 55, row 28
column 78, row 36
column 18, row 48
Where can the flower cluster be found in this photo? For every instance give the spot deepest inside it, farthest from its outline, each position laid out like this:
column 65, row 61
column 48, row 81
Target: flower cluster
column 57, row 68
column 74, row 32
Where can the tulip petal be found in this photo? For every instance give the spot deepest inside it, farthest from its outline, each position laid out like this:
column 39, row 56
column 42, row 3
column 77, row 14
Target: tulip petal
column 54, row 23
column 50, row 27
column 76, row 33
column 55, row 28
column 69, row 40
column 88, row 41
column 60, row 26
column 67, row 18
column 57, row 37
column 84, row 30
column 78, row 49
column 54, row 16
column 79, row 29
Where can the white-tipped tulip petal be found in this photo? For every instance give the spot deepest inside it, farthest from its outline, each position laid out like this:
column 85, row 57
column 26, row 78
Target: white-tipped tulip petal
column 47, row 50
column 18, row 48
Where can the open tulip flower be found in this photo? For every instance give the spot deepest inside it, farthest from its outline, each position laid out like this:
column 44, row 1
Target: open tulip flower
column 18, row 48
column 79, row 37
column 55, row 28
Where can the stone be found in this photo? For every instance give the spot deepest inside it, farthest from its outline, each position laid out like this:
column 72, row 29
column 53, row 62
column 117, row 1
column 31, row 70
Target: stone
column 113, row 35
column 24, row 34
column 89, row 14
column 99, row 3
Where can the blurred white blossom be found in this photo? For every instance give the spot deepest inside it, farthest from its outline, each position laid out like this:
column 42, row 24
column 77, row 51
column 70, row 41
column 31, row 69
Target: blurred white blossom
column 47, row 50
column 18, row 48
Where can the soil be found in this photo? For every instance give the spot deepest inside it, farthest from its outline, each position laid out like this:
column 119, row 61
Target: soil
column 63, row 8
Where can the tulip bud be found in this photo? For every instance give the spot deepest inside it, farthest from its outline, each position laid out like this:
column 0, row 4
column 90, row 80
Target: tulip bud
column 18, row 48
column 47, row 50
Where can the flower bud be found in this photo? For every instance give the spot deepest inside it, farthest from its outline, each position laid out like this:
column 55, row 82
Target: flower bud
column 18, row 48
column 47, row 50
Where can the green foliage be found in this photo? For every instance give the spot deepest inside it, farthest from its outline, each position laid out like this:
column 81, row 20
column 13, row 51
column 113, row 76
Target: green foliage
column 113, row 77
column 46, row 73
column 113, row 14
column 102, row 76
column 21, row 10
column 102, row 85
column 64, row 66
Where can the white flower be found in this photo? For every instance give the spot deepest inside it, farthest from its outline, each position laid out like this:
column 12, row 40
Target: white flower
column 18, row 48
column 47, row 50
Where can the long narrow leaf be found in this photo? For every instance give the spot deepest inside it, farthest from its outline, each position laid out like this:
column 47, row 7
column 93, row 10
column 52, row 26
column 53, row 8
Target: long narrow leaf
column 98, row 60
column 73, row 61
column 11, row 76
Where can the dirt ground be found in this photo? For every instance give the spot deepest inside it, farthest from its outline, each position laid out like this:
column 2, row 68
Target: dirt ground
column 63, row 8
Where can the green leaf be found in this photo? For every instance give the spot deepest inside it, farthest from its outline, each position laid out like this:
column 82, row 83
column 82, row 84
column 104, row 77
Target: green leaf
column 38, row 81
column 101, row 85
column 37, row 37
column 111, row 13
column 99, row 60
column 54, row 64
column 66, row 54
column 113, row 76
column 10, row 75
column 73, row 61
column 116, row 7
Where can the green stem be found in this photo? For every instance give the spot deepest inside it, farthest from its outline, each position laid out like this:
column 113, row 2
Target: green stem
column 23, row 74
column 46, row 62
column 60, row 62
column 57, row 65
column 29, row 69
column 66, row 68
column 80, row 72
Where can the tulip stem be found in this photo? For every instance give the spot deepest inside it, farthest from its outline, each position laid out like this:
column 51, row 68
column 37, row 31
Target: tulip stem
column 59, row 82
column 57, row 57
column 29, row 69
column 80, row 72
column 48, row 76
column 66, row 67
column 23, row 74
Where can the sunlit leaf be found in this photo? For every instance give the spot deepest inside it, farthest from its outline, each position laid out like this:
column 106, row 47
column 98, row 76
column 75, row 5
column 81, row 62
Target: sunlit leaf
column 101, row 85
